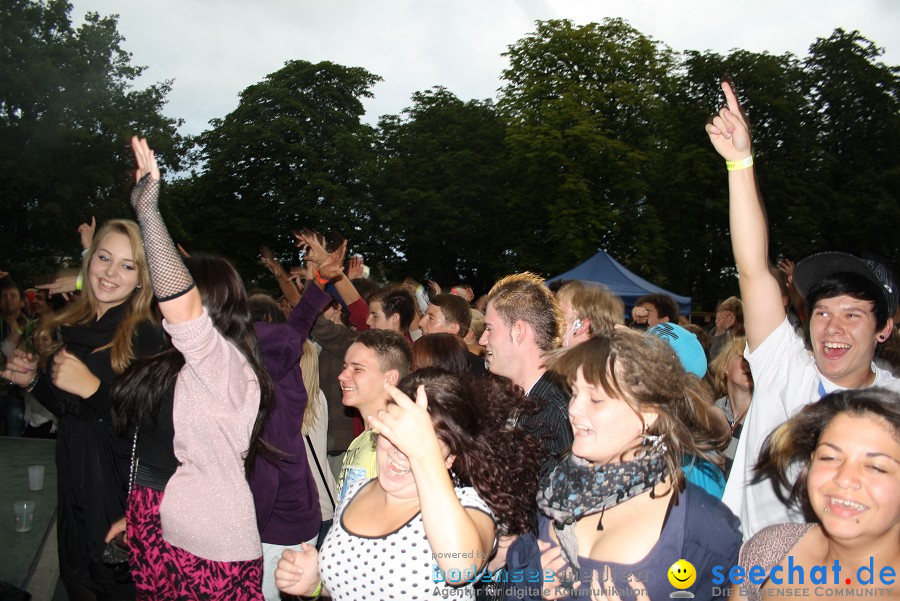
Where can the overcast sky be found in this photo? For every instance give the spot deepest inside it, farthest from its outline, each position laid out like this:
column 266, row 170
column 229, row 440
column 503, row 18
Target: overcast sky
column 213, row 49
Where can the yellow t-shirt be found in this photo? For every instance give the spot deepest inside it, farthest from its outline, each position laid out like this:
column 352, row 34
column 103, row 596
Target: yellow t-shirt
column 359, row 462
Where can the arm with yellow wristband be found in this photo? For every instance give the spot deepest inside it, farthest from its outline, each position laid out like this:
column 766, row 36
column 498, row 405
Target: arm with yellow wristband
column 729, row 133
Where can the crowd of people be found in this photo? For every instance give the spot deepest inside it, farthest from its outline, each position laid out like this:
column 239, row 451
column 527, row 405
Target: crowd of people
column 403, row 441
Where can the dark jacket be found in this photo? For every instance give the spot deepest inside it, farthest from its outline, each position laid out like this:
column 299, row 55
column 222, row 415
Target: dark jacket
column 92, row 459
column 284, row 491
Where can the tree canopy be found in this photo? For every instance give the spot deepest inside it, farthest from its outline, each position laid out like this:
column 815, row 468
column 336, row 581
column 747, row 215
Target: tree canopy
column 67, row 109
column 595, row 141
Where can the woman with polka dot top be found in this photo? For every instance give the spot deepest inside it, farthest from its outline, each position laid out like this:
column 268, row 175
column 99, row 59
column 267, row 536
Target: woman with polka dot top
column 426, row 523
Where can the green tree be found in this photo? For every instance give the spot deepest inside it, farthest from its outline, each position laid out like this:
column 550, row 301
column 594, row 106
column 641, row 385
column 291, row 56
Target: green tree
column 691, row 187
column 67, row 109
column 856, row 98
column 292, row 154
column 441, row 185
column 583, row 106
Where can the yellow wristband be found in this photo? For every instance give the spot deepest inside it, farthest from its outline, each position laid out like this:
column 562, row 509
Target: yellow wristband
column 79, row 282
column 738, row 165
column 318, row 591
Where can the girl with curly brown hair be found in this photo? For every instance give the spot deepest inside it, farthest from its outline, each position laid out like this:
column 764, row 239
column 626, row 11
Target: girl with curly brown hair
column 448, row 471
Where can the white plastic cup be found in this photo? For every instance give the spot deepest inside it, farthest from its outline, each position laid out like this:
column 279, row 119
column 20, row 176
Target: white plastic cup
column 35, row 477
column 24, row 511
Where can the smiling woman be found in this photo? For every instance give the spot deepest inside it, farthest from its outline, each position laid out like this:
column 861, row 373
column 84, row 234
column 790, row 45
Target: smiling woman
column 425, row 526
column 102, row 333
column 848, row 447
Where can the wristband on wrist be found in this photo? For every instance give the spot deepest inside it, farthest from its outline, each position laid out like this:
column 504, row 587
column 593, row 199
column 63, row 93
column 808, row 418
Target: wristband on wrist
column 31, row 386
column 318, row 591
column 79, row 282
column 739, row 165
column 319, row 277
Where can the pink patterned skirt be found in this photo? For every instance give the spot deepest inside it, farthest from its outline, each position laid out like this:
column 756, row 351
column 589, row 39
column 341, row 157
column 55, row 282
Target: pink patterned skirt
column 163, row 572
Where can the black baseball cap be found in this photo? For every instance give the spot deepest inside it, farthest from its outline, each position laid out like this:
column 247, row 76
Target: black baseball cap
column 819, row 266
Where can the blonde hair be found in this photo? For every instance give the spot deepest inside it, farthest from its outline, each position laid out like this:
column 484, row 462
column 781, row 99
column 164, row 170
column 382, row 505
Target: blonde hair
column 595, row 303
column 718, row 368
column 524, row 296
column 83, row 311
column 309, row 365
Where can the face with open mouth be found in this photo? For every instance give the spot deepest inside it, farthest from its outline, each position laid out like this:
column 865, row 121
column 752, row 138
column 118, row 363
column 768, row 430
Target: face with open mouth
column 843, row 336
column 854, row 477
column 394, row 470
column 362, row 380
column 112, row 273
column 603, row 425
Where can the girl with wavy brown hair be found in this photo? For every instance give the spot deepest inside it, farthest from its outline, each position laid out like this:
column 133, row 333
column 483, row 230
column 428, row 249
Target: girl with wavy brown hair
column 617, row 512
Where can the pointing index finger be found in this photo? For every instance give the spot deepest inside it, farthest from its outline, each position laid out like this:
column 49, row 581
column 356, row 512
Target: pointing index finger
column 730, row 98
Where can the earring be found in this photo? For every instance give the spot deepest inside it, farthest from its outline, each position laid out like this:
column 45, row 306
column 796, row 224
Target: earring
column 138, row 286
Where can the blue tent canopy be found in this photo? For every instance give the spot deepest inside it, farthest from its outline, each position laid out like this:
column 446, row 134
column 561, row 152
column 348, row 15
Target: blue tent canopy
column 603, row 269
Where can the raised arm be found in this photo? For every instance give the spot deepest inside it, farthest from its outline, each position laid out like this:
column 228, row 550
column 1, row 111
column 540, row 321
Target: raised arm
column 288, row 289
column 730, row 136
column 179, row 299
column 451, row 528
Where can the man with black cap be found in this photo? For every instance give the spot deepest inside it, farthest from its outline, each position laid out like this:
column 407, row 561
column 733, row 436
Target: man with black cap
column 850, row 301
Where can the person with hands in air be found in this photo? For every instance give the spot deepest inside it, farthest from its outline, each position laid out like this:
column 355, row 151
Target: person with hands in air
column 850, row 302
column 424, row 526
column 198, row 409
column 102, row 333
column 283, row 486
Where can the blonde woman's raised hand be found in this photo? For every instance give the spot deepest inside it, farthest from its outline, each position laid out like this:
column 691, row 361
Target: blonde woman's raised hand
column 86, row 233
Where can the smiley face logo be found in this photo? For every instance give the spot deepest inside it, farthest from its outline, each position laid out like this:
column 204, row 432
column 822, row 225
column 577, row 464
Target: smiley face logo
column 682, row 574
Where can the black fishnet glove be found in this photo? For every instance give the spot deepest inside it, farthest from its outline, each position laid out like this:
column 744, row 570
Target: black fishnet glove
column 170, row 277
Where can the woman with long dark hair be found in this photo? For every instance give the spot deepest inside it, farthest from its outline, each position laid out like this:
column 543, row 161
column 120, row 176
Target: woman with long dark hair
column 447, row 469
column 94, row 339
column 199, row 410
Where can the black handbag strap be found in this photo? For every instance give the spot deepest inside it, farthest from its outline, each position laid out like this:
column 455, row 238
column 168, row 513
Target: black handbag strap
column 321, row 473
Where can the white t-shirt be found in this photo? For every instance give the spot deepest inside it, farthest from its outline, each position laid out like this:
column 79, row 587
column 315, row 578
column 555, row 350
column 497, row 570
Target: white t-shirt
column 398, row 565
column 785, row 379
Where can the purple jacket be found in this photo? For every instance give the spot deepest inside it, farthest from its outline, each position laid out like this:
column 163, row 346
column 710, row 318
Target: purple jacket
column 284, row 492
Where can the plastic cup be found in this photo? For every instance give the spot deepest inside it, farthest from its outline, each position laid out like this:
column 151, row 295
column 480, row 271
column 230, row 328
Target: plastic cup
column 35, row 477
column 24, row 512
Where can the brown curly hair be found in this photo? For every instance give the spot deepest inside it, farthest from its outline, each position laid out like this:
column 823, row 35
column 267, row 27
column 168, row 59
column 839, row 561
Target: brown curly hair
column 470, row 416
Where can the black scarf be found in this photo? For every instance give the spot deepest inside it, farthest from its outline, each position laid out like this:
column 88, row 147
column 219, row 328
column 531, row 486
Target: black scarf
column 577, row 488
column 83, row 339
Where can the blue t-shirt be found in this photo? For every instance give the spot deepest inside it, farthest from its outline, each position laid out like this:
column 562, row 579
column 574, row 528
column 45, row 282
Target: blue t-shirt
column 699, row 529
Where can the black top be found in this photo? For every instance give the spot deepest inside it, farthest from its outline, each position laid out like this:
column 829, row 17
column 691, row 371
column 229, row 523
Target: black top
column 92, row 459
column 550, row 425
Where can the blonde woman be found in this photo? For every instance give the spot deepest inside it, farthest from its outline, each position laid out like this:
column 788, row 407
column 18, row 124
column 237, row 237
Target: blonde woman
column 315, row 436
column 733, row 382
column 101, row 333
